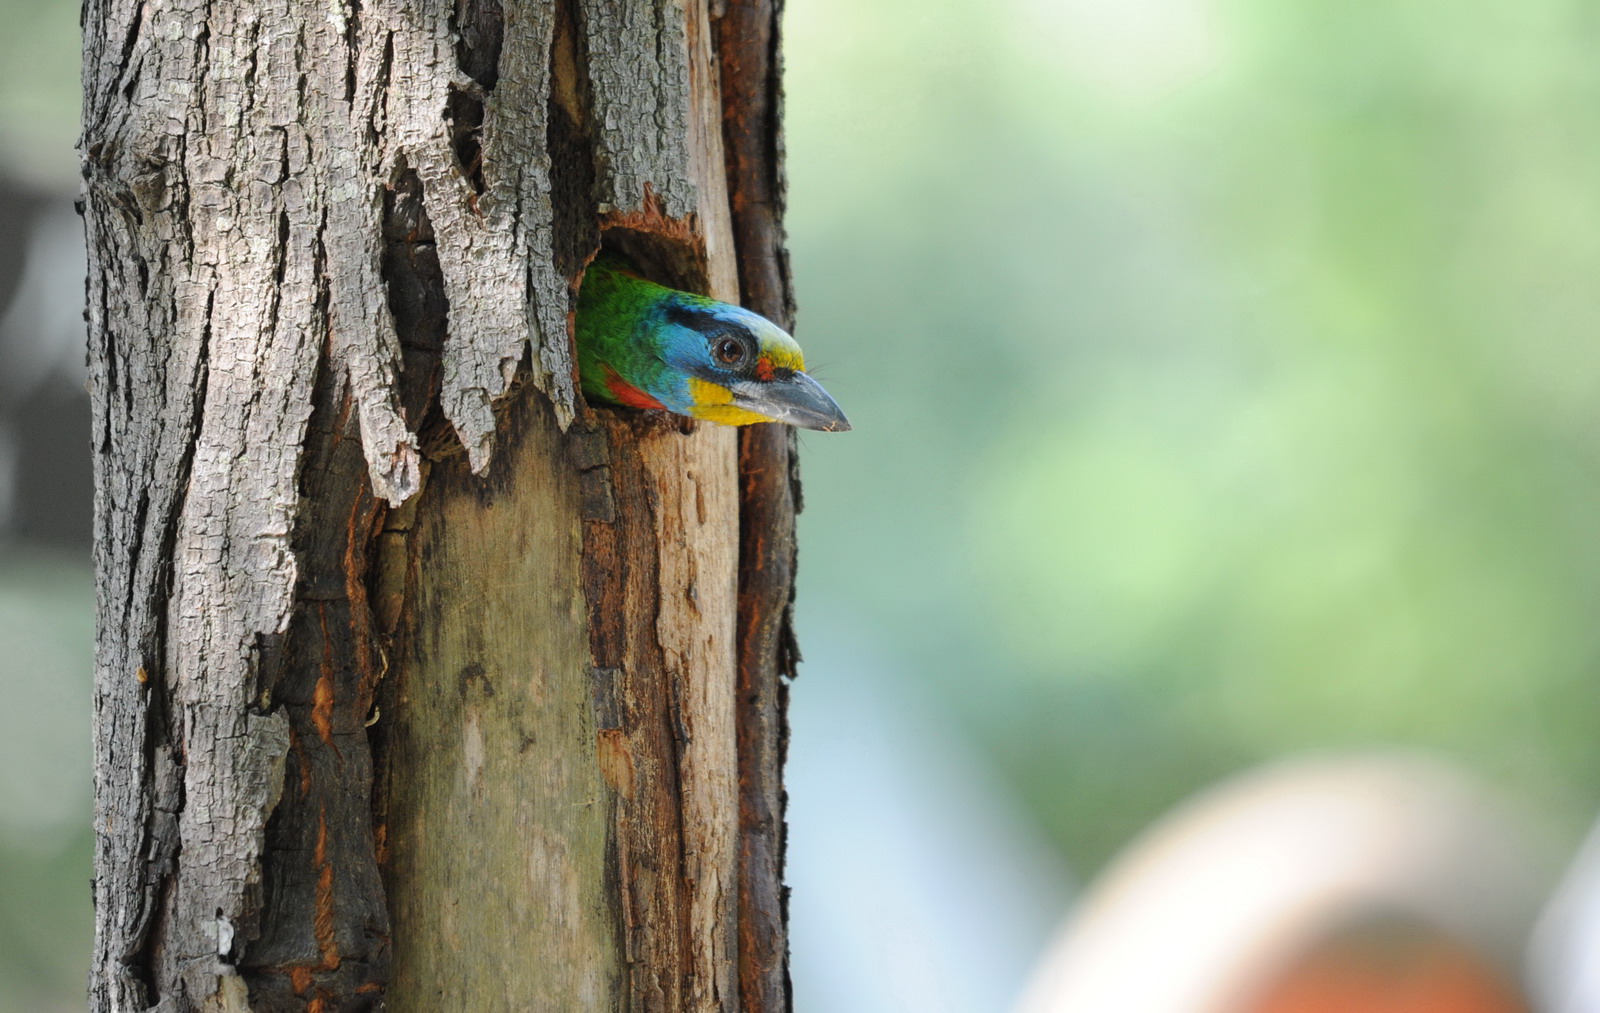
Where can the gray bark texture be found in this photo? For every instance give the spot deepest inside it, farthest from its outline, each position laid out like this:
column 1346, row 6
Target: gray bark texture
column 420, row 684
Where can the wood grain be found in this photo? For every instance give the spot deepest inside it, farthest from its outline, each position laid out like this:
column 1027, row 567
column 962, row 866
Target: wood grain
column 494, row 806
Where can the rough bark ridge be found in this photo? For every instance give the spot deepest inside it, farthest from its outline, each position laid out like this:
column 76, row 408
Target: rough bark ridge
column 316, row 232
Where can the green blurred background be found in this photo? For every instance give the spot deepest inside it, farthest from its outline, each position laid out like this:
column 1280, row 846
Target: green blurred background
column 1223, row 376
column 1224, row 379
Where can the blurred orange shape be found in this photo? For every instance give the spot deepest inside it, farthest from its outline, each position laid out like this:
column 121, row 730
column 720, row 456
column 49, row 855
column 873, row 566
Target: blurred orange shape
column 1388, row 967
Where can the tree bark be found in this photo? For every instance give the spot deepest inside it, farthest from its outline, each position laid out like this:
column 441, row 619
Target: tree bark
column 421, row 684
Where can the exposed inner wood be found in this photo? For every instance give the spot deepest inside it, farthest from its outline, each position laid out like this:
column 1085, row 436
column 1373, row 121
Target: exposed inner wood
column 324, row 929
column 660, row 584
column 495, row 810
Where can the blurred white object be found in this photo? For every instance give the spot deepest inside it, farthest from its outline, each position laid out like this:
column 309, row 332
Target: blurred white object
column 1564, row 956
column 1217, row 899
column 919, row 886
column 42, row 331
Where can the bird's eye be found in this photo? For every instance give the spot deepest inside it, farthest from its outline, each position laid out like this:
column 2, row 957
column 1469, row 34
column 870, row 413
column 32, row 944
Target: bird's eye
column 729, row 351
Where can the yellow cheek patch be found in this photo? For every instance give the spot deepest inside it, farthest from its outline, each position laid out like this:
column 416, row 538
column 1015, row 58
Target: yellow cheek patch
column 714, row 403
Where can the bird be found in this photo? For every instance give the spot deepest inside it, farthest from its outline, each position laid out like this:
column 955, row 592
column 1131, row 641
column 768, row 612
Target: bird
column 644, row 345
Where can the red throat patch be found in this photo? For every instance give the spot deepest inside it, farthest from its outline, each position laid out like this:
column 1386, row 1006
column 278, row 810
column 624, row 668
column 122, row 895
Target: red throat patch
column 627, row 393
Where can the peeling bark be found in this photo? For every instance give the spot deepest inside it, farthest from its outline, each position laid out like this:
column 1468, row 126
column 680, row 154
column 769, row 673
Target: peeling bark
column 419, row 683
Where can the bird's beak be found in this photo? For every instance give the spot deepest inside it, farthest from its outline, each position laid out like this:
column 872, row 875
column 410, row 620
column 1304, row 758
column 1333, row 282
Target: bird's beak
column 796, row 399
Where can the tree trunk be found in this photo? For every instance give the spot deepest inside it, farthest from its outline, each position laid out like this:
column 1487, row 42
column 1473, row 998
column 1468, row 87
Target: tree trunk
column 421, row 684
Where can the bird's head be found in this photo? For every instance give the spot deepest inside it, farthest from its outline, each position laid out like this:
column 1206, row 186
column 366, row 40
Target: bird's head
column 648, row 346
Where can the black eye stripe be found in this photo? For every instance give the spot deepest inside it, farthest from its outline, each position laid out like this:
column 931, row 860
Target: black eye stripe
column 694, row 319
column 704, row 323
